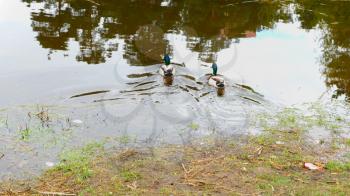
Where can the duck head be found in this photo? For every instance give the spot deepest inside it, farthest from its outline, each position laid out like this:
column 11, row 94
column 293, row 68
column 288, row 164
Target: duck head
column 166, row 59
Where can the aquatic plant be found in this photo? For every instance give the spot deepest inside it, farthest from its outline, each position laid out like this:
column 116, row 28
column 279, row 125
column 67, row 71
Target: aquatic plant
column 304, row 118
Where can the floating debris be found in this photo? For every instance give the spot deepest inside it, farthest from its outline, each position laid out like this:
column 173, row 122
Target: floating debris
column 77, row 121
column 49, row 164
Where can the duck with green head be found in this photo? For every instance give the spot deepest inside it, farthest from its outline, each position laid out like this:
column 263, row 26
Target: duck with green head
column 167, row 70
column 217, row 81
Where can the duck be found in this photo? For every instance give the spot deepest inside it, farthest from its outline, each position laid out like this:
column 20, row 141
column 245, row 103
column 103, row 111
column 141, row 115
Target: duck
column 217, row 81
column 167, row 70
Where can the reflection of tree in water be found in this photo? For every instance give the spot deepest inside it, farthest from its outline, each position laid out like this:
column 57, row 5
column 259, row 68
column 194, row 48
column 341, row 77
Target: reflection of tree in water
column 220, row 22
column 146, row 46
column 95, row 27
column 60, row 20
column 334, row 20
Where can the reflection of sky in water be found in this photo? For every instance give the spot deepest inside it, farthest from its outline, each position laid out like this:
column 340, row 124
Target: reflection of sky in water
column 279, row 63
column 282, row 64
column 7, row 13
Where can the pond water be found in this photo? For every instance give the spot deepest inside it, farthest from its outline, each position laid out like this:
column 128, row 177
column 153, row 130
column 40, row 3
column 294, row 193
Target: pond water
column 97, row 61
column 290, row 52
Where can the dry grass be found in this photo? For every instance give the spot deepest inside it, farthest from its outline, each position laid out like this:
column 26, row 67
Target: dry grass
column 270, row 164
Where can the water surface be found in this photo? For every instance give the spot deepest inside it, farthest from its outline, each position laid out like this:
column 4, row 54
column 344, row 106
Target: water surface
column 290, row 52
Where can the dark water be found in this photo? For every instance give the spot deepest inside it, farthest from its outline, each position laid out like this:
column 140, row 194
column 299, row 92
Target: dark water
column 97, row 61
column 290, row 51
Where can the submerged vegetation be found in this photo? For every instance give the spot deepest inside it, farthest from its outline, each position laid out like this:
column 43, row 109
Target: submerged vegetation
column 270, row 163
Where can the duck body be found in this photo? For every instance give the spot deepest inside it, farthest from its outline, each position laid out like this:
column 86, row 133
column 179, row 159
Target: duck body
column 167, row 70
column 217, row 81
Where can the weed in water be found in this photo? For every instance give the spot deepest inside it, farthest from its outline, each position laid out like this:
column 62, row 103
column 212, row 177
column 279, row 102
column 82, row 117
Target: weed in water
column 194, row 126
column 293, row 119
column 25, row 134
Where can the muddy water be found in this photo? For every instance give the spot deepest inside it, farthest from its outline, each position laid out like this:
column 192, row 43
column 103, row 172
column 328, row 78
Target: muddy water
column 97, row 62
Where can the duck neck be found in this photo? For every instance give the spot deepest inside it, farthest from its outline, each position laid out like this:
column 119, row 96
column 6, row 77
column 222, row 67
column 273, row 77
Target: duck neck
column 215, row 71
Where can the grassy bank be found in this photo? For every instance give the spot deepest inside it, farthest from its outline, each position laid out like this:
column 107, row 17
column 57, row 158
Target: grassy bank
column 271, row 163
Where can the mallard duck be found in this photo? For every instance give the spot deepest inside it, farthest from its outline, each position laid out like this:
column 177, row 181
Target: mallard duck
column 217, row 81
column 167, row 70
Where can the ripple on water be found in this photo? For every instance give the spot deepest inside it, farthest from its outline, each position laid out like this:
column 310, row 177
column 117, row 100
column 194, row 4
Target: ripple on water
column 146, row 112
